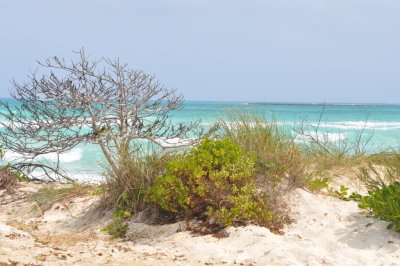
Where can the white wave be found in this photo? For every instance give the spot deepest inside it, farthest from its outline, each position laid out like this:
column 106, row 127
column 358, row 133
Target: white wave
column 66, row 157
column 174, row 142
column 11, row 156
column 232, row 125
column 320, row 136
column 80, row 178
column 360, row 125
column 207, row 123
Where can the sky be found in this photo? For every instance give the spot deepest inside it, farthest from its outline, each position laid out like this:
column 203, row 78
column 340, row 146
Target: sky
column 219, row 50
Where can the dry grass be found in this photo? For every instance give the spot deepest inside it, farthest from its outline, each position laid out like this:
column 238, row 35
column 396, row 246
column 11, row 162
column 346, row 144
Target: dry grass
column 55, row 239
column 332, row 166
column 45, row 198
column 8, row 181
column 62, row 240
column 280, row 162
column 135, row 172
column 324, row 158
column 381, row 170
column 285, row 162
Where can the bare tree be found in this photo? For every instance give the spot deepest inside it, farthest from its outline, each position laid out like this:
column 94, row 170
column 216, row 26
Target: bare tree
column 87, row 101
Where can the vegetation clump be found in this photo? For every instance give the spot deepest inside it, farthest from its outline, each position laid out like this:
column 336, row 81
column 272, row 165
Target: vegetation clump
column 318, row 184
column 384, row 203
column 135, row 172
column 279, row 162
column 214, row 180
column 117, row 227
column 7, row 179
column 382, row 169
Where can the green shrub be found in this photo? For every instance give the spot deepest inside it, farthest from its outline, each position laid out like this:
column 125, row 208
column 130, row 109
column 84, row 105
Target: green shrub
column 214, row 180
column 318, row 184
column 117, row 228
column 384, row 203
column 344, row 195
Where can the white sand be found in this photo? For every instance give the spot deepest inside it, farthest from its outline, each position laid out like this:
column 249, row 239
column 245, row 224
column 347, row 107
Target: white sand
column 327, row 231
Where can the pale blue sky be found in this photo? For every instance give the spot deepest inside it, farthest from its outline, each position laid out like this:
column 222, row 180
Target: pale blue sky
column 260, row 50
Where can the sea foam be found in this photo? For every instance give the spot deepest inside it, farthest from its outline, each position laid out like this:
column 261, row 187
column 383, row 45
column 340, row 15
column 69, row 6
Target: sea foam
column 359, row 125
column 320, row 136
column 66, row 157
column 174, row 142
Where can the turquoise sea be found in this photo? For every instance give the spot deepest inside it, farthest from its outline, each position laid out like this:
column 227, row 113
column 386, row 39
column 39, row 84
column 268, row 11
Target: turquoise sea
column 339, row 123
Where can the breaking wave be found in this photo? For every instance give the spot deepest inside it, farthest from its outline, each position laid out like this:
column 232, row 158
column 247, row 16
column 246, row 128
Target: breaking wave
column 71, row 156
column 174, row 142
column 360, row 125
column 320, row 136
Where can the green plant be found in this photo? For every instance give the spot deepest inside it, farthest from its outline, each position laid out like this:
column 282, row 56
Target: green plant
column 318, row 184
column 384, row 203
column 341, row 193
column 100, row 190
column 213, row 180
column 117, row 228
column 344, row 195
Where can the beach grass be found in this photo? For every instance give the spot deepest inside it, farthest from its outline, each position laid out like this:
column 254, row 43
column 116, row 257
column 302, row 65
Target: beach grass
column 279, row 158
column 45, row 198
column 136, row 171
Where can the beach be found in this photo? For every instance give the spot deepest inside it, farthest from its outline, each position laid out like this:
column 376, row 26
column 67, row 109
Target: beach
column 324, row 231
column 302, row 181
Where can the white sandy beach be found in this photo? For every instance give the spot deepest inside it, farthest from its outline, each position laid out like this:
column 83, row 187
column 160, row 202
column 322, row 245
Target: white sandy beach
column 326, row 231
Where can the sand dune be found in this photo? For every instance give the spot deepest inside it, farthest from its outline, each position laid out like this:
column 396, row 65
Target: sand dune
column 326, row 231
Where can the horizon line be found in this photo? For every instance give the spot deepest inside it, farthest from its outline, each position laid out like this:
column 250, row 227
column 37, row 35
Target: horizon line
column 350, row 104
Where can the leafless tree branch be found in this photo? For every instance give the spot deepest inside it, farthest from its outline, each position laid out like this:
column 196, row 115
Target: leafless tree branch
column 88, row 101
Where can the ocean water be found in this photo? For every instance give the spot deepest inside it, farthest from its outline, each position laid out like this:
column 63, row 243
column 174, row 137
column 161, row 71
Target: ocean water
column 379, row 122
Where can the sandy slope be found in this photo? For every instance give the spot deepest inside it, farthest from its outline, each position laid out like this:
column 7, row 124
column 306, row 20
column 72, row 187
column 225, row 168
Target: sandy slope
column 327, row 231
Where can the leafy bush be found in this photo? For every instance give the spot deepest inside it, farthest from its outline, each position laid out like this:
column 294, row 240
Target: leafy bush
column 318, row 184
column 384, row 203
column 343, row 194
column 117, row 228
column 215, row 181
